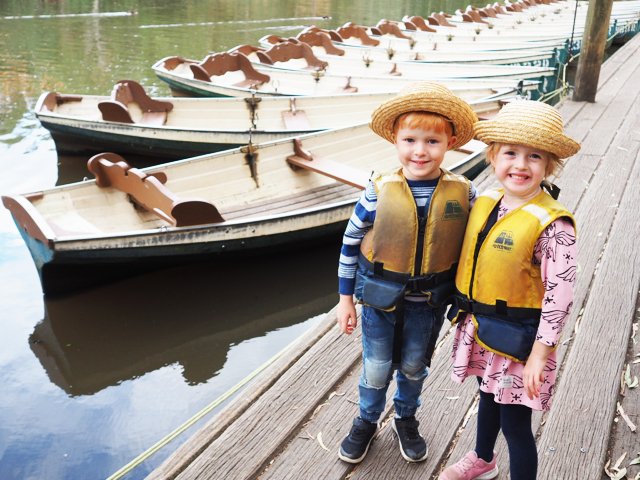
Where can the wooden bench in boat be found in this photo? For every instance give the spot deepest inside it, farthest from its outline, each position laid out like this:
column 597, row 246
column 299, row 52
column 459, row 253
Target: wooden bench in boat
column 473, row 16
column 386, row 27
column 338, row 171
column 126, row 92
column 312, row 36
column 148, row 191
column 290, row 49
column 52, row 100
column 440, row 19
column 317, row 38
column 351, row 30
column 220, row 63
column 418, row 23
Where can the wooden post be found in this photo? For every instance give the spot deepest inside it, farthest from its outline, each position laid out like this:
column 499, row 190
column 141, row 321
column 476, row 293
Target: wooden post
column 594, row 41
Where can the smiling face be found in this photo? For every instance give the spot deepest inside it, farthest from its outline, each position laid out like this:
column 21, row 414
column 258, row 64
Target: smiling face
column 421, row 146
column 520, row 169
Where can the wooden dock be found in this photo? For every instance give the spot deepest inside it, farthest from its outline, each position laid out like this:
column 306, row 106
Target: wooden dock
column 289, row 422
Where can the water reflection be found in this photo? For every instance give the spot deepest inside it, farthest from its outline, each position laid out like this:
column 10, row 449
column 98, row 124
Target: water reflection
column 118, row 332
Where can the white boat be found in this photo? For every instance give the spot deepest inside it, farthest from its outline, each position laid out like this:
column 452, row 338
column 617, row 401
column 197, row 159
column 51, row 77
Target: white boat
column 284, row 194
column 322, row 46
column 233, row 74
column 298, row 56
column 129, row 122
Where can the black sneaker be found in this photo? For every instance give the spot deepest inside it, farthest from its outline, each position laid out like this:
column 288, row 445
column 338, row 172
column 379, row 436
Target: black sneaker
column 355, row 446
column 412, row 446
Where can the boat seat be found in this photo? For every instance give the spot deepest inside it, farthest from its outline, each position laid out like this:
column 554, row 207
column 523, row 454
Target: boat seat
column 302, row 159
column 419, row 22
column 334, row 35
column 114, row 111
column 148, row 192
column 385, row 27
column 490, row 11
column 318, row 38
column 127, row 92
column 221, row 63
column 289, row 50
column 52, row 100
column 471, row 15
column 441, row 19
column 351, row 30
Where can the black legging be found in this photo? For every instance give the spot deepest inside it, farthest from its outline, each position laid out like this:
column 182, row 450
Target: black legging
column 515, row 422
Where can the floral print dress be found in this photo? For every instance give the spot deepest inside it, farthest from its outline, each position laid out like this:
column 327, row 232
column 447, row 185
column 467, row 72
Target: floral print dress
column 555, row 252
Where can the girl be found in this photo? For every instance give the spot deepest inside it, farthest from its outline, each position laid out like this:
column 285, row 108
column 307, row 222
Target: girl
column 515, row 287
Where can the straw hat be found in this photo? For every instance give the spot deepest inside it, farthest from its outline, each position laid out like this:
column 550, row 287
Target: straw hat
column 527, row 122
column 425, row 97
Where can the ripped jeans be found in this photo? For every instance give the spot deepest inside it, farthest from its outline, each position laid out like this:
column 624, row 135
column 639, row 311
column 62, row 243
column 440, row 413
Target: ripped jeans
column 420, row 323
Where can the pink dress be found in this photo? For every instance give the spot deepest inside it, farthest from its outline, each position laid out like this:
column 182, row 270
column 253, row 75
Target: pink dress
column 555, row 252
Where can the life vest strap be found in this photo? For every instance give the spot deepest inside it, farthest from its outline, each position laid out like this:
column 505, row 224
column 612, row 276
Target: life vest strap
column 500, row 308
column 414, row 283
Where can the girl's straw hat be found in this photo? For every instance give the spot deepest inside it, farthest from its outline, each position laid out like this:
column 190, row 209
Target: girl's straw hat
column 526, row 122
column 425, row 97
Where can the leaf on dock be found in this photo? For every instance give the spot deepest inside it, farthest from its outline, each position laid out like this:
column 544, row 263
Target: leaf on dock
column 319, row 437
column 631, row 383
column 614, row 473
column 336, row 394
column 624, row 416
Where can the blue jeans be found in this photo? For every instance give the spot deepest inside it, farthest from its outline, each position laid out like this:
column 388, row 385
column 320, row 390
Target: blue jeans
column 420, row 322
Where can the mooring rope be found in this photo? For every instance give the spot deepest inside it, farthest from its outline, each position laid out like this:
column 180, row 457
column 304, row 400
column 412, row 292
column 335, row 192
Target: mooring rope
column 573, row 28
column 171, row 436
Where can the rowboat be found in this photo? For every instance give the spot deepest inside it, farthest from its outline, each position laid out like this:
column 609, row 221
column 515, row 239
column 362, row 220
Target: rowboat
column 322, row 46
column 232, row 74
column 298, row 57
column 283, row 194
column 129, row 121
column 388, row 35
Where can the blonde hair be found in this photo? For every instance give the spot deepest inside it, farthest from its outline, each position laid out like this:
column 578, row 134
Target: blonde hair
column 554, row 164
column 424, row 121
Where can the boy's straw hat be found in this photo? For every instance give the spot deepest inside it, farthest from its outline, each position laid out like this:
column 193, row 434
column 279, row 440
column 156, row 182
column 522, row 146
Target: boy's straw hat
column 425, row 97
column 527, row 122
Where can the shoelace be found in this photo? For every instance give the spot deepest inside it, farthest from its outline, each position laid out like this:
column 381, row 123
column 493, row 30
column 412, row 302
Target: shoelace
column 411, row 430
column 359, row 434
column 464, row 465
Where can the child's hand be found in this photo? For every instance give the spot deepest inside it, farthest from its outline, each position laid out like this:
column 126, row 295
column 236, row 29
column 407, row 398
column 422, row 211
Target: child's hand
column 533, row 373
column 346, row 314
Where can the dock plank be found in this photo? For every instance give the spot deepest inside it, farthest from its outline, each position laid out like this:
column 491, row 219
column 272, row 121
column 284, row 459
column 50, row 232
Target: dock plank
column 576, row 431
column 574, row 182
column 285, row 405
column 272, row 431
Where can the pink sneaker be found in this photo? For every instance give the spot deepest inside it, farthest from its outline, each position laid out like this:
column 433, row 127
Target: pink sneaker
column 471, row 468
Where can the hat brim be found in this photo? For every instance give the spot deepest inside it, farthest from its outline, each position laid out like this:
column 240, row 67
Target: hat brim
column 456, row 110
column 519, row 133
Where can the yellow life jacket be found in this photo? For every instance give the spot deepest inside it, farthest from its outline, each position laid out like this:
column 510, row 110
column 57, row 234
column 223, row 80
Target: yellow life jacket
column 393, row 240
column 498, row 273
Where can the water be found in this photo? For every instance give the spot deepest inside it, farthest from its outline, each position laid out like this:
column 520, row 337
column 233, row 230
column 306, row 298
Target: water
column 91, row 380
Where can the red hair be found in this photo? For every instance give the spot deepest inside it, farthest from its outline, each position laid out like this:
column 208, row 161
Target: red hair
column 423, row 121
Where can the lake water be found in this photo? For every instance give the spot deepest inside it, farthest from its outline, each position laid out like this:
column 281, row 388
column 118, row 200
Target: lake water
column 91, row 380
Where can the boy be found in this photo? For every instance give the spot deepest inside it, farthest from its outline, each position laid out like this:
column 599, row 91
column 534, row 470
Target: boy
column 399, row 257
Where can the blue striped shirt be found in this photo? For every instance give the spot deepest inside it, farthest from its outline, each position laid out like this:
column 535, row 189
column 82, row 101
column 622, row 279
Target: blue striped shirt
column 362, row 219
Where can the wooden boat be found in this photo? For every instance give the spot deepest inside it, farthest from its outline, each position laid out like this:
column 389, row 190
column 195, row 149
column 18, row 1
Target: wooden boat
column 232, row 74
column 281, row 194
column 128, row 121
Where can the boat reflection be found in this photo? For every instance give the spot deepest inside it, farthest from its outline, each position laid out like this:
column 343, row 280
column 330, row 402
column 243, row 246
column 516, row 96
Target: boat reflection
column 189, row 315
